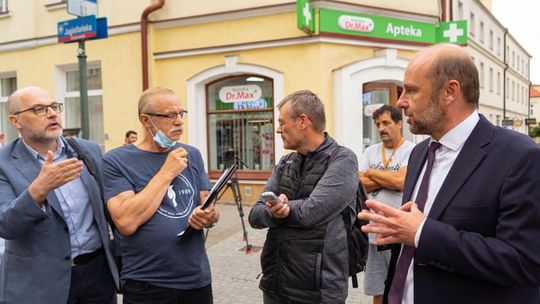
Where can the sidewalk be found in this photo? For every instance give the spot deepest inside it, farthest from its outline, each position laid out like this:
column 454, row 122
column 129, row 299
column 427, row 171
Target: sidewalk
column 234, row 273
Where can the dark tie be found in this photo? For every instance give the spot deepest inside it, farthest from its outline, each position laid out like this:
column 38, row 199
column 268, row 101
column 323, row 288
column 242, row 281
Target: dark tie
column 398, row 283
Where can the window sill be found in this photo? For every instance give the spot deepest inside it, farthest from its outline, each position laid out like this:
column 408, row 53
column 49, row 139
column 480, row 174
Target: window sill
column 56, row 6
column 5, row 14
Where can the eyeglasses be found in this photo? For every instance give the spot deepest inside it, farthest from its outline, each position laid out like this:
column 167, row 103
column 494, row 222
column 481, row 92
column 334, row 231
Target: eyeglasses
column 169, row 116
column 42, row 110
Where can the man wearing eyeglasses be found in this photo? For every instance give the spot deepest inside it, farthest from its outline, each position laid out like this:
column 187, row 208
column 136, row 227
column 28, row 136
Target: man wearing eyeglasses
column 51, row 211
column 153, row 190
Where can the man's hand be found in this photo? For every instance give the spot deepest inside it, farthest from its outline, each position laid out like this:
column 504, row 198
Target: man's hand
column 200, row 218
column 176, row 162
column 281, row 209
column 392, row 225
column 54, row 175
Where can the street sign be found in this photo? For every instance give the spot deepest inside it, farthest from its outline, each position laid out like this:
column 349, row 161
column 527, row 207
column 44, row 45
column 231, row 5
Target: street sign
column 102, row 29
column 77, row 29
column 305, row 16
column 82, row 8
column 530, row 121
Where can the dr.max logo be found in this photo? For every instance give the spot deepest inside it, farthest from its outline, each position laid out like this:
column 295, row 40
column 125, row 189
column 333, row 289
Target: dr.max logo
column 356, row 24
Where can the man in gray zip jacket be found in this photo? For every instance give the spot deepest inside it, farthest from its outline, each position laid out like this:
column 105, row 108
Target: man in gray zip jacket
column 305, row 255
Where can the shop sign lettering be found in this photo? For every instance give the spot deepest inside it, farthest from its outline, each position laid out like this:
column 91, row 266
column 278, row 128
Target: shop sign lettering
column 242, row 93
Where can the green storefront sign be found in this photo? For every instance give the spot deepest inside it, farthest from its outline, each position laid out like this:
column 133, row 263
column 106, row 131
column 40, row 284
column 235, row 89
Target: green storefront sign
column 377, row 27
column 305, row 16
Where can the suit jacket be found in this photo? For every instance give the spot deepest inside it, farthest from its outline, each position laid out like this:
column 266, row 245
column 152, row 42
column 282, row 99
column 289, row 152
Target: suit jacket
column 481, row 240
column 37, row 265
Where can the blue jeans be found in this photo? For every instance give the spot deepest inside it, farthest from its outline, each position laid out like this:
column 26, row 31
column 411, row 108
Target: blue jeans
column 137, row 292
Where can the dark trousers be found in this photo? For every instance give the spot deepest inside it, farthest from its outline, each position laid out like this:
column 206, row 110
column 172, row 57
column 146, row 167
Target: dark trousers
column 137, row 292
column 92, row 283
column 270, row 298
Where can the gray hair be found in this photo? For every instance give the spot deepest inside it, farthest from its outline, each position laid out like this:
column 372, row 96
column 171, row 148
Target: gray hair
column 147, row 95
column 306, row 102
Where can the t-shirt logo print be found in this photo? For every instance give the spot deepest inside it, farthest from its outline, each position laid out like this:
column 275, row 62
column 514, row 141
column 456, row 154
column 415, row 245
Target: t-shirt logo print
column 179, row 200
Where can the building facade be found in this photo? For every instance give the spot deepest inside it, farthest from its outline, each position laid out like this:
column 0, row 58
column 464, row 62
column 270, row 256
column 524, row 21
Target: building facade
column 231, row 62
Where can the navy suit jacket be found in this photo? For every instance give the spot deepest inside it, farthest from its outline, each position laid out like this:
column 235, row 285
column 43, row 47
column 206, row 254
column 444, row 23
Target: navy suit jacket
column 37, row 265
column 481, row 240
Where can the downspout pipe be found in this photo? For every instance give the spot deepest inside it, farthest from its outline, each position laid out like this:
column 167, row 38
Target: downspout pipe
column 144, row 39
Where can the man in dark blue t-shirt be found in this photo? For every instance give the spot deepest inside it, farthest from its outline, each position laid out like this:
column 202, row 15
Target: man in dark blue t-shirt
column 153, row 191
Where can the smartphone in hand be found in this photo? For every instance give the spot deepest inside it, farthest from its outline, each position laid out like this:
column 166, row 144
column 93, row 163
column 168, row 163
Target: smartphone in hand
column 270, row 197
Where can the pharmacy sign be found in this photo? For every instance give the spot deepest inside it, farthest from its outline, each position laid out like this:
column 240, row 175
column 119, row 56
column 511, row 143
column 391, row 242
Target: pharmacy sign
column 305, row 16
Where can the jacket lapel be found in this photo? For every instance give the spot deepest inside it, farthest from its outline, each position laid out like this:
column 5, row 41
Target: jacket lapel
column 467, row 161
column 30, row 167
column 414, row 167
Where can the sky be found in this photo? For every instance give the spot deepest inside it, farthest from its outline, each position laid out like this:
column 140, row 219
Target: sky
column 521, row 17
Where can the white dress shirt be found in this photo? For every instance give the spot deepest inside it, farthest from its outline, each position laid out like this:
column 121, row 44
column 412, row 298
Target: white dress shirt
column 451, row 144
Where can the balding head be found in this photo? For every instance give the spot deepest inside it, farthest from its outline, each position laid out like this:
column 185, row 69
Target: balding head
column 23, row 96
column 145, row 101
column 450, row 62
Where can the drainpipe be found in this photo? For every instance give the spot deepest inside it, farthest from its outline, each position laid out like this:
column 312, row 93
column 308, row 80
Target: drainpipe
column 144, row 39
column 443, row 10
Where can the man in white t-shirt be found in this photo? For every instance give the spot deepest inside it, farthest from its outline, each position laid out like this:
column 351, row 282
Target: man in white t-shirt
column 382, row 172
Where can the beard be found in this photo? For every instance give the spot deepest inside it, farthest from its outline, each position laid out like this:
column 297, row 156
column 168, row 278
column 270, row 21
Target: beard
column 426, row 122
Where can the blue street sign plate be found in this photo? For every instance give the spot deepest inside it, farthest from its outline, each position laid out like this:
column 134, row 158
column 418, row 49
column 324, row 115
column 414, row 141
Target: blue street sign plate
column 102, row 29
column 77, row 29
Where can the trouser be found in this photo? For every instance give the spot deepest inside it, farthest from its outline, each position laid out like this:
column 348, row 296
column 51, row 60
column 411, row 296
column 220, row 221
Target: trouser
column 92, row 282
column 137, row 292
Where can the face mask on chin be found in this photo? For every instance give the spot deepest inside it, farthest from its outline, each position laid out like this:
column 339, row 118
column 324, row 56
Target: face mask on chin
column 160, row 138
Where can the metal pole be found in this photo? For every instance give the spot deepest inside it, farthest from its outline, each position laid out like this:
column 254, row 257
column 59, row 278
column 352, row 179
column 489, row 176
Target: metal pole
column 83, row 90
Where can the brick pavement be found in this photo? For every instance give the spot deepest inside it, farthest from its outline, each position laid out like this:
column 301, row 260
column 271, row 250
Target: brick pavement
column 234, row 273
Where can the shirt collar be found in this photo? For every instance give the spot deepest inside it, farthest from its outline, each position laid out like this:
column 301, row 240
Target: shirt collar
column 455, row 138
column 59, row 150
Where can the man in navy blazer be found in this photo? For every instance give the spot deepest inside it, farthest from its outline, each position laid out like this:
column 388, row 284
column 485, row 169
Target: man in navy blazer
column 51, row 212
column 478, row 237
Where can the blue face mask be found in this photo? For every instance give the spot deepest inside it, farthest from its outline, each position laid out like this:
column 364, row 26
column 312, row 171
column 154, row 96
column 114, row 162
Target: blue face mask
column 161, row 139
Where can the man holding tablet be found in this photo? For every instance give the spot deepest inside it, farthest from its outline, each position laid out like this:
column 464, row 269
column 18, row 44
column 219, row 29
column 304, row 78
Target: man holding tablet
column 153, row 190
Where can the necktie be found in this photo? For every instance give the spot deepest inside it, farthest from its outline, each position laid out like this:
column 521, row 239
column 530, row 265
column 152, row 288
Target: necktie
column 407, row 253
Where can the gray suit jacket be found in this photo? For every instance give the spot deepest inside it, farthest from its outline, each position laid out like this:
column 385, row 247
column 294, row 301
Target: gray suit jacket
column 37, row 267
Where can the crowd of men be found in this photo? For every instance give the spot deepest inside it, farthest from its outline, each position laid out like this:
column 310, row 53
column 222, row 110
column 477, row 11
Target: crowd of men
column 453, row 219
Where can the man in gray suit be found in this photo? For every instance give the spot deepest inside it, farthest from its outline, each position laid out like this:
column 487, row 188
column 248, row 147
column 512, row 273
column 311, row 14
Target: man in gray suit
column 51, row 211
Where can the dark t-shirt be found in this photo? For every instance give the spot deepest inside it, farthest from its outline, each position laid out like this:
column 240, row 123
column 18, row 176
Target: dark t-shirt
column 154, row 253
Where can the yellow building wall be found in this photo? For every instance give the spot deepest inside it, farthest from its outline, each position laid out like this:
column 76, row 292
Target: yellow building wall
column 120, row 61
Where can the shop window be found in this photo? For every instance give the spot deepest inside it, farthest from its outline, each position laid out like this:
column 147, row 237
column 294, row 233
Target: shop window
column 72, row 103
column 8, row 85
column 375, row 95
column 240, row 118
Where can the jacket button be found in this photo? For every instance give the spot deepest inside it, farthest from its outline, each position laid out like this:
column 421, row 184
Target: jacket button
column 66, row 228
column 67, row 258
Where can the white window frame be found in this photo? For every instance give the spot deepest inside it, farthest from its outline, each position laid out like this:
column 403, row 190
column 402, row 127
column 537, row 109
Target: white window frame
column 498, row 83
column 4, row 6
column 481, row 75
column 2, row 97
column 491, row 79
column 61, row 86
column 482, row 32
column 472, row 22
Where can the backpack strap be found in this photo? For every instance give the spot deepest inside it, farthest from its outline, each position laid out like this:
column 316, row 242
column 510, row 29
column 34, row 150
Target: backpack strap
column 92, row 170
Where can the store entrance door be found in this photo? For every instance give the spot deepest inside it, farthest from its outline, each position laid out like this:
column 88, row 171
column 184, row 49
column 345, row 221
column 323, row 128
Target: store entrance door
column 375, row 95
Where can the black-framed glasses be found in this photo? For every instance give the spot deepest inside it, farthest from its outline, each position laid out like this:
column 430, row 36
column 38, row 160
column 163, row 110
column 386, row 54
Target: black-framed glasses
column 42, row 110
column 169, row 116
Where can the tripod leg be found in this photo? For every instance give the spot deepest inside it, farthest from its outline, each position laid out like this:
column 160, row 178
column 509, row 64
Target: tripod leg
column 238, row 200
